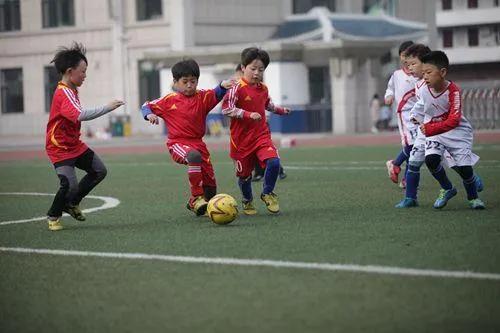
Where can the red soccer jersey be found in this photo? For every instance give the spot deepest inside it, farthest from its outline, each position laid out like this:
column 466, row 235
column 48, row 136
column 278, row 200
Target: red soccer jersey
column 62, row 140
column 185, row 116
column 248, row 134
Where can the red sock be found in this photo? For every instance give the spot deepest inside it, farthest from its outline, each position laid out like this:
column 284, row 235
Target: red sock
column 195, row 179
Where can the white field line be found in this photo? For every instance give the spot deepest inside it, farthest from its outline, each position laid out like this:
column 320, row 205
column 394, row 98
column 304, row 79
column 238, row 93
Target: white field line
column 371, row 269
column 109, row 202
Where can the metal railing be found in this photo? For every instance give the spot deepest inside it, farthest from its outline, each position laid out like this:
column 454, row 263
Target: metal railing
column 481, row 106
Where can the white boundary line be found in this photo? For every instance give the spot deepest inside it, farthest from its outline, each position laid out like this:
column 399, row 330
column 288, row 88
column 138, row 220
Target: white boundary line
column 109, row 202
column 371, row 269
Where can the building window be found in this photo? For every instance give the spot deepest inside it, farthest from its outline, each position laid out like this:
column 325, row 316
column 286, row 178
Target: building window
column 496, row 31
column 377, row 6
column 447, row 38
column 11, row 85
column 10, row 15
column 495, row 3
column 319, row 85
column 50, row 78
column 446, row 4
column 471, row 3
column 58, row 13
column 473, row 36
column 149, row 81
column 303, row 6
column 148, row 9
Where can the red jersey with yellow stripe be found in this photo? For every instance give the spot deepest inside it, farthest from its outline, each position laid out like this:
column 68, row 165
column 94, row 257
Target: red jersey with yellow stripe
column 62, row 139
column 248, row 134
column 185, row 116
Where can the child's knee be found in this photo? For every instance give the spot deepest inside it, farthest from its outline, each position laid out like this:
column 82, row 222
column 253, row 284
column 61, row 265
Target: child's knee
column 465, row 172
column 415, row 165
column 273, row 163
column 433, row 161
column 193, row 156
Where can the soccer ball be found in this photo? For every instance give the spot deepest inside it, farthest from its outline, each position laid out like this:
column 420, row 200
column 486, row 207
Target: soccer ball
column 222, row 209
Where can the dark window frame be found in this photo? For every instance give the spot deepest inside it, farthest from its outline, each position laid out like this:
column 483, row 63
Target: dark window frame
column 148, row 9
column 58, row 13
column 303, row 6
column 473, row 36
column 319, row 85
column 12, row 92
column 447, row 38
column 149, row 83
column 10, row 15
column 50, row 79
column 446, row 4
column 472, row 4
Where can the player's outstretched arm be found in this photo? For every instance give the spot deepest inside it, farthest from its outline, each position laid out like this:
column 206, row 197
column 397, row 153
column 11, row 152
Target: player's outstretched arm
column 149, row 115
column 93, row 113
column 278, row 109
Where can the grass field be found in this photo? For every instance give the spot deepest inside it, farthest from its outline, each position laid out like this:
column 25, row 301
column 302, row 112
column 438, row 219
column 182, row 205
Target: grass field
column 337, row 208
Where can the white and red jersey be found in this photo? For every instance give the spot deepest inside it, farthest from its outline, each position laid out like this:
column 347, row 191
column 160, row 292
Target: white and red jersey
column 402, row 87
column 443, row 119
column 62, row 140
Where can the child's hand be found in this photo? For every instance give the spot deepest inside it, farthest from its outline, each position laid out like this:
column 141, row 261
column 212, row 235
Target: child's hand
column 153, row 119
column 114, row 104
column 414, row 120
column 255, row 116
column 422, row 129
column 226, row 84
column 389, row 100
column 287, row 111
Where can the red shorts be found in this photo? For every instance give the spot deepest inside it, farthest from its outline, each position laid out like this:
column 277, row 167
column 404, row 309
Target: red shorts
column 245, row 165
column 178, row 152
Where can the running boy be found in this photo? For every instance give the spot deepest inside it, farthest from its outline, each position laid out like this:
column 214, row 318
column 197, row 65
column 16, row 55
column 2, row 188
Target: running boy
column 185, row 112
column 401, row 92
column 246, row 103
column 445, row 128
column 63, row 145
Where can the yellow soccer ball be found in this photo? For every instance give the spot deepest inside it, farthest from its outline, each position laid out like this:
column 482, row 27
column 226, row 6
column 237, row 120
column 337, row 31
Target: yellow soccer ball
column 222, row 209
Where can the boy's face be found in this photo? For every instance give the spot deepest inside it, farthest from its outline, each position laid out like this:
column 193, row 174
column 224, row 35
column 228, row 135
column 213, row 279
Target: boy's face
column 186, row 85
column 433, row 76
column 78, row 74
column 254, row 71
column 415, row 66
column 402, row 60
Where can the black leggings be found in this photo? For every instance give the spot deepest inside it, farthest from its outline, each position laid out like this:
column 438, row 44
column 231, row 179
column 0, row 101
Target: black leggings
column 70, row 191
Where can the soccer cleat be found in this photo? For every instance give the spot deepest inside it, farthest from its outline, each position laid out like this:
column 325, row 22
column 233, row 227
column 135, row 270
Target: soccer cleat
column 282, row 175
column 198, row 205
column 476, row 204
column 393, row 171
column 443, row 197
column 402, row 183
column 249, row 208
column 55, row 225
column 479, row 184
column 75, row 212
column 407, row 203
column 271, row 201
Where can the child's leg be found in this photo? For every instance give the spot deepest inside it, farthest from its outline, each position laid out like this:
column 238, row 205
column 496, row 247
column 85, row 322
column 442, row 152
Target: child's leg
column 209, row 183
column 244, row 168
column 96, row 172
column 433, row 162
column 416, row 160
column 194, row 161
column 68, row 186
column 469, row 180
column 403, row 155
column 271, row 174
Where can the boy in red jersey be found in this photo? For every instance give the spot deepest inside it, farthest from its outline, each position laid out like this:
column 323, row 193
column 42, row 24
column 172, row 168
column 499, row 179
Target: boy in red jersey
column 63, row 145
column 246, row 103
column 185, row 112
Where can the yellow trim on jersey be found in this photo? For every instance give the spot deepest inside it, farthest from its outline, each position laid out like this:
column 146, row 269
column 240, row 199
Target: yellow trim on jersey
column 170, row 95
column 232, row 142
column 53, row 138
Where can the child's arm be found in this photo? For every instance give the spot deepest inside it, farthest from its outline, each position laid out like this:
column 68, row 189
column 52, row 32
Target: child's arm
column 277, row 109
column 229, row 107
column 389, row 92
column 93, row 113
column 151, row 110
column 450, row 122
column 214, row 96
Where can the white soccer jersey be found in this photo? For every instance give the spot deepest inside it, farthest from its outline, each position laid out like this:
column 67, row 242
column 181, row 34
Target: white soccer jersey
column 402, row 86
column 443, row 119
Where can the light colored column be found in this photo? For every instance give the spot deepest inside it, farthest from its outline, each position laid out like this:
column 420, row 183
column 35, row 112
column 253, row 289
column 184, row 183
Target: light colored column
column 182, row 24
column 119, row 54
column 344, row 94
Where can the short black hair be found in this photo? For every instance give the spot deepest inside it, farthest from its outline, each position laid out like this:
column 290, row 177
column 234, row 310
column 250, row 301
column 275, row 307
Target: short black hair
column 251, row 53
column 184, row 68
column 69, row 57
column 417, row 50
column 405, row 45
column 436, row 58
column 237, row 68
